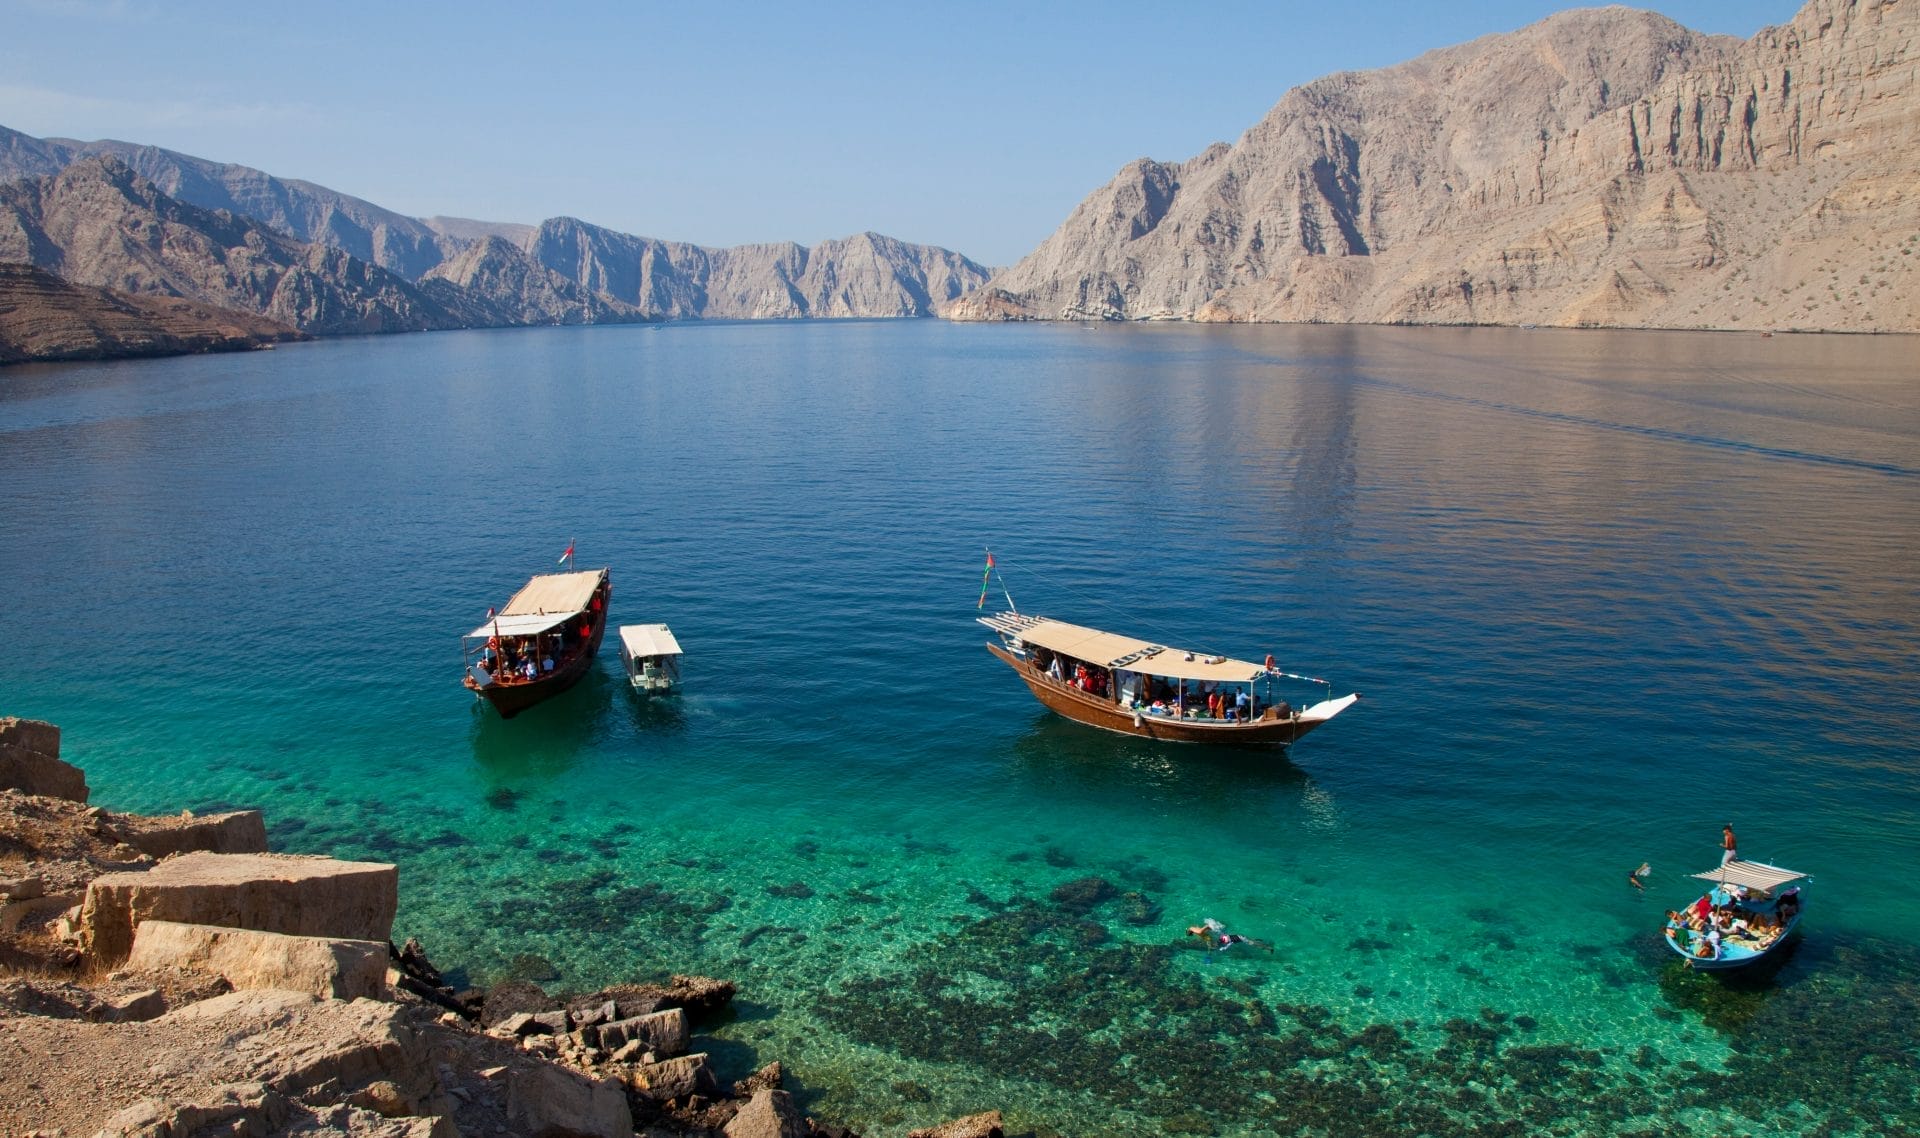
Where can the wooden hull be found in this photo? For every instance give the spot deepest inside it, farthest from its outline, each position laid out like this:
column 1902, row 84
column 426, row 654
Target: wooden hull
column 1097, row 711
column 510, row 699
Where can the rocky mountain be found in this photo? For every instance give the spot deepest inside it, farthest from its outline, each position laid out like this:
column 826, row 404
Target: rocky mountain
column 864, row 275
column 1601, row 167
column 562, row 271
column 43, row 317
column 97, row 222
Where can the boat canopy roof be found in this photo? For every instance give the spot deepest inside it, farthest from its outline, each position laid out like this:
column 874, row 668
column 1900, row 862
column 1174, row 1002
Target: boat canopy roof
column 560, row 593
column 532, row 624
column 1751, row 874
column 1113, row 651
column 648, row 640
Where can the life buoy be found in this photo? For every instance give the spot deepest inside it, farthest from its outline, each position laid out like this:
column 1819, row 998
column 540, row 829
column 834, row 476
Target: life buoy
column 1269, row 661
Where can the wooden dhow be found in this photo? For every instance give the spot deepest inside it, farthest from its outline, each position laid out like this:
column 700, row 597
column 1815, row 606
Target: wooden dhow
column 1136, row 687
column 541, row 643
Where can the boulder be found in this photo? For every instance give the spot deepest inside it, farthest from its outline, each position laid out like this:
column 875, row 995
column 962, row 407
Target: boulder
column 986, row 1125
column 769, row 1114
column 238, row 831
column 546, row 1101
column 674, row 1078
column 663, row 1033
column 767, row 1078
column 244, row 958
column 30, row 761
column 279, row 893
column 22, row 888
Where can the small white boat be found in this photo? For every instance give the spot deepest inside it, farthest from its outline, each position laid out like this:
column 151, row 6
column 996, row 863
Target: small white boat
column 651, row 657
column 1749, row 913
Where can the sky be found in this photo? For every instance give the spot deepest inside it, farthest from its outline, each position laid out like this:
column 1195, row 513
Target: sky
column 974, row 126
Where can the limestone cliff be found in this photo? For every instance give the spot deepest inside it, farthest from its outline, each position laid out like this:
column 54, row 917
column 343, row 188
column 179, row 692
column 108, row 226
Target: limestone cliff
column 99, row 223
column 562, row 271
column 863, row 275
column 1601, row 167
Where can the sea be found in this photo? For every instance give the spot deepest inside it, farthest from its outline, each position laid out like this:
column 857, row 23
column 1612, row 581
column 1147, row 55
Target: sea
column 1601, row 592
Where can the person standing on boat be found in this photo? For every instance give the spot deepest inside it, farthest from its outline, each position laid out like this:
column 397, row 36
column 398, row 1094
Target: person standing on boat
column 1727, row 845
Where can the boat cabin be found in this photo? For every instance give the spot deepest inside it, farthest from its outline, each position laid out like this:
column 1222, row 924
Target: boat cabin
column 651, row 656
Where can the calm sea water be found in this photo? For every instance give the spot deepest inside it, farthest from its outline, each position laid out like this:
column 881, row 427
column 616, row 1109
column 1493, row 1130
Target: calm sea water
column 1603, row 592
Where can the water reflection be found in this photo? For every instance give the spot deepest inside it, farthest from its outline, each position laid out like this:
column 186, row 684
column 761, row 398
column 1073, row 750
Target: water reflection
column 1055, row 751
column 546, row 740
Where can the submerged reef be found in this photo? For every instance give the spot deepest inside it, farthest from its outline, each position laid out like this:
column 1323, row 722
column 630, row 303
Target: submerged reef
column 1039, row 990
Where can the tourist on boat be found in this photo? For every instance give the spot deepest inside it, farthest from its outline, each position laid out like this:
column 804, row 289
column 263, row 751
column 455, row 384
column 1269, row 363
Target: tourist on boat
column 1053, row 669
column 1726, row 844
column 1242, row 705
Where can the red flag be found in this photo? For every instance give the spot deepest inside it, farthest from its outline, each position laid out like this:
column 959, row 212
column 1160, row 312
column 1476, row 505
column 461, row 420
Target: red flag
column 567, row 554
column 489, row 612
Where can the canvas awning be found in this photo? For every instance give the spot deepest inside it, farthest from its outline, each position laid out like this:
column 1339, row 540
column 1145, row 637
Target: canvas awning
column 648, row 640
column 526, row 625
column 1752, row 875
column 563, row 593
column 1113, row 651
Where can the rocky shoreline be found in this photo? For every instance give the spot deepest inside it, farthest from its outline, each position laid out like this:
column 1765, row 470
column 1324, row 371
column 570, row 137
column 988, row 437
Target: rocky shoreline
column 168, row 977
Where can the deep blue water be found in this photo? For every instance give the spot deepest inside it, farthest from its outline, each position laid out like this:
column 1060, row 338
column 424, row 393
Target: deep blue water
column 1602, row 592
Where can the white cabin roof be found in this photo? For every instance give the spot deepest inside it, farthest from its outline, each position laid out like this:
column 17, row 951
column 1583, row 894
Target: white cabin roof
column 562, row 593
column 1752, row 875
column 648, row 640
column 1113, row 651
column 525, row 624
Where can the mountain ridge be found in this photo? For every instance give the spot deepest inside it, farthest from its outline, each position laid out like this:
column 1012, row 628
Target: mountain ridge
column 492, row 273
column 1600, row 167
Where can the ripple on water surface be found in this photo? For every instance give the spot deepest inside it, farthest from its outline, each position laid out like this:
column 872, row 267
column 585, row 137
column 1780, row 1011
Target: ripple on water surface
column 1602, row 592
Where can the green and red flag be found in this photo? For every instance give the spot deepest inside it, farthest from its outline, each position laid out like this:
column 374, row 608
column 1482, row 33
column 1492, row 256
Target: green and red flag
column 984, row 577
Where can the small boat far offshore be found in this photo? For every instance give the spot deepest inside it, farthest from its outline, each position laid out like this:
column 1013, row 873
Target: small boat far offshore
column 1134, row 687
column 541, row 643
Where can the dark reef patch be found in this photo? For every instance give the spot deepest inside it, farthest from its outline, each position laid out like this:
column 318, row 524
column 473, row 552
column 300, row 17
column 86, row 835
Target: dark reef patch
column 1136, row 1026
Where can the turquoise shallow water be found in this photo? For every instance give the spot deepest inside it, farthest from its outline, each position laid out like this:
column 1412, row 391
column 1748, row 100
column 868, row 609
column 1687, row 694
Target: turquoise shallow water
column 1602, row 591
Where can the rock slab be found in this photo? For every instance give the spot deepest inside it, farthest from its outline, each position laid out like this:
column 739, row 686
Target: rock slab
column 298, row 896
column 247, row 959
column 30, row 761
column 769, row 1114
column 546, row 1101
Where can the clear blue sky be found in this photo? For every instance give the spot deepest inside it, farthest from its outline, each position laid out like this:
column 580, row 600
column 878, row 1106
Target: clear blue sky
column 976, row 126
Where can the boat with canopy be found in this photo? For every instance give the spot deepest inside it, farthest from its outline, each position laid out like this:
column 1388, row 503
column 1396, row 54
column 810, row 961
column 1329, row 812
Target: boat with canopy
column 1749, row 913
column 1136, row 687
column 651, row 657
column 541, row 643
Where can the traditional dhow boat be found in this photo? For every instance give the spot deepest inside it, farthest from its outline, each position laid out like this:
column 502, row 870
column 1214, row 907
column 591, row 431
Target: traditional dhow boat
column 1749, row 913
column 541, row 643
column 1138, row 688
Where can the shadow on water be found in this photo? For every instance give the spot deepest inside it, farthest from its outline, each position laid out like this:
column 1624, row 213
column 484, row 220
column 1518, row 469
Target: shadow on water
column 1055, row 750
column 544, row 741
column 664, row 714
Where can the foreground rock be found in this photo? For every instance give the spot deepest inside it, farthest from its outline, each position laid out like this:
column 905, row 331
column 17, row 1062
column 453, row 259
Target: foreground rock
column 282, row 893
column 30, row 749
column 245, row 1005
column 336, row 969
